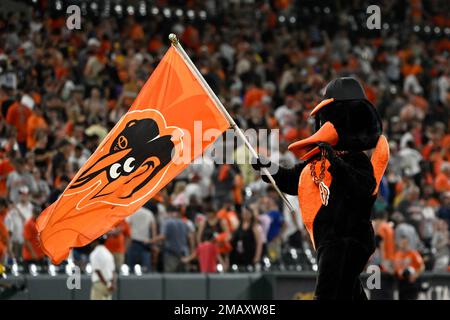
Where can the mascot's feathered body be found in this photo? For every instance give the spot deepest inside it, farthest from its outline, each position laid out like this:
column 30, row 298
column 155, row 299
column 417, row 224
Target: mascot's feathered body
column 337, row 184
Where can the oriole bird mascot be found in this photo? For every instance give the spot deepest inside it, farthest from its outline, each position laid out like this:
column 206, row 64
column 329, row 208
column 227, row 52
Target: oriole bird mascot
column 337, row 184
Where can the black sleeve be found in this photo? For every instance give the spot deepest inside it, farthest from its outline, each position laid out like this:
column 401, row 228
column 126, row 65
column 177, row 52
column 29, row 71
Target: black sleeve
column 355, row 173
column 287, row 178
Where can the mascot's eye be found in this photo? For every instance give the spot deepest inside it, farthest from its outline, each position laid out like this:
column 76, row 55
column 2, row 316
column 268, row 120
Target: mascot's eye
column 127, row 166
column 114, row 171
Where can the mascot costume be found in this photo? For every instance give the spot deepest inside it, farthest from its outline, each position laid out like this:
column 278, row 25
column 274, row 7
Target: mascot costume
column 337, row 184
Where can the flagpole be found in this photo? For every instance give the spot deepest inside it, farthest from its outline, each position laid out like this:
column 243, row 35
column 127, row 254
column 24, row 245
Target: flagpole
column 174, row 40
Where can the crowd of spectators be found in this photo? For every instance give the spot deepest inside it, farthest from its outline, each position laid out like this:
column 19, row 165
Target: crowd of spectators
column 62, row 90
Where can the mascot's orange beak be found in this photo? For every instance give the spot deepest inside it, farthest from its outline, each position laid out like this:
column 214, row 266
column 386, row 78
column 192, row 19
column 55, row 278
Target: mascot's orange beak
column 326, row 133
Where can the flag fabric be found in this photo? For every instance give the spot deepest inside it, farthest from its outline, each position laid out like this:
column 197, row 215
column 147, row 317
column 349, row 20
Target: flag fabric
column 139, row 156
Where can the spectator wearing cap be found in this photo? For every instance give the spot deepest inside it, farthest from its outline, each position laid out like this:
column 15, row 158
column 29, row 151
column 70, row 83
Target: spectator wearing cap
column 103, row 271
column 31, row 249
column 19, row 213
column 17, row 117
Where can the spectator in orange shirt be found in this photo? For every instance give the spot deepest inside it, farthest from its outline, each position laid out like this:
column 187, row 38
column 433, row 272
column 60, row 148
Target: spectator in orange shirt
column 253, row 96
column 117, row 242
column 442, row 181
column 17, row 117
column 408, row 265
column 384, row 230
column 4, row 234
column 35, row 123
column 31, row 250
column 5, row 168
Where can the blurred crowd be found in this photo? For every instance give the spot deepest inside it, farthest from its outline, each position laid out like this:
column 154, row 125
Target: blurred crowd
column 62, row 90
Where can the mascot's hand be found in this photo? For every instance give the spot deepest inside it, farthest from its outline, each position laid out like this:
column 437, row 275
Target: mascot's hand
column 264, row 162
column 260, row 162
column 330, row 153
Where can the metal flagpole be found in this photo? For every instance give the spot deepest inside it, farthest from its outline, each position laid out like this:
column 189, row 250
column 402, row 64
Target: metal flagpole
column 173, row 38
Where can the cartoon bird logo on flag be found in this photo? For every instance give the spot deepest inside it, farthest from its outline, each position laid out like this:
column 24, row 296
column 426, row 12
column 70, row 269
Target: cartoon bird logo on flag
column 140, row 155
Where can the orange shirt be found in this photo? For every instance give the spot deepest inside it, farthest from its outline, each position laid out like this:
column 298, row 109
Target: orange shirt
column 116, row 242
column 30, row 234
column 4, row 237
column 34, row 123
column 405, row 259
column 230, row 218
column 17, row 116
column 253, row 96
column 5, row 169
column 442, row 183
column 386, row 232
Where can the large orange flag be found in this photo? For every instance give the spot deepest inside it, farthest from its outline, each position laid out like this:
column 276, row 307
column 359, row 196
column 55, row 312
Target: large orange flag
column 141, row 154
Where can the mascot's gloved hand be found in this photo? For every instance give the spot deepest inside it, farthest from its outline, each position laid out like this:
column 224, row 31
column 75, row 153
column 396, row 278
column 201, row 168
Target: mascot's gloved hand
column 264, row 162
column 330, row 153
column 285, row 178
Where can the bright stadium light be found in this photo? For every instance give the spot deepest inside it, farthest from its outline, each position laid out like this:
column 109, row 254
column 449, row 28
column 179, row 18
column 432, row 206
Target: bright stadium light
column 137, row 270
column 427, row 29
column 15, row 269
column 202, row 14
column 125, row 270
column 235, row 268
column 179, row 13
column 155, row 11
column 88, row 268
column 447, row 30
column 293, row 253
column 190, row 13
column 52, row 270
column 33, row 270
column 437, row 30
column 130, row 10
column 292, row 20
column 167, row 13
column 94, row 6
column 326, row 10
column 416, row 28
column 281, row 19
column 118, row 9
column 219, row 268
column 58, row 5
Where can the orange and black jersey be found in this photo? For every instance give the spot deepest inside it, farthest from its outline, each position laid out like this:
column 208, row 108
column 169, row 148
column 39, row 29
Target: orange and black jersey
column 351, row 182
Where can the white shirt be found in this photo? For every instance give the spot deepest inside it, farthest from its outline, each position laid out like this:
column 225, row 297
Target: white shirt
column 410, row 161
column 140, row 223
column 14, row 222
column 101, row 259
